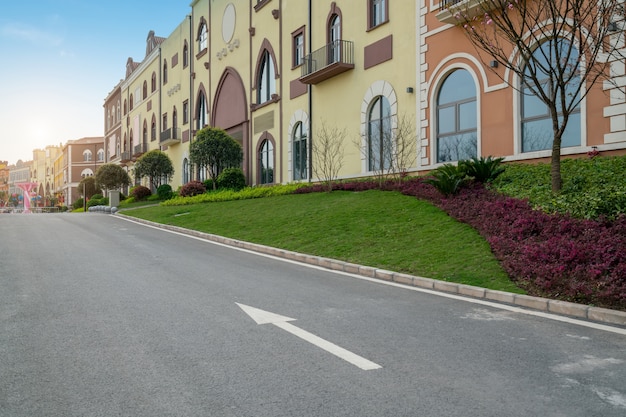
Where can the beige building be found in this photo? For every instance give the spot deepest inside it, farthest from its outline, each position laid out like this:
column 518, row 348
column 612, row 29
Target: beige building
column 76, row 160
column 42, row 172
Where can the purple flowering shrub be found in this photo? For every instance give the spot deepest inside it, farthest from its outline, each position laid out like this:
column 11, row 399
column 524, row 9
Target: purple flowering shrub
column 550, row 255
column 191, row 189
column 140, row 192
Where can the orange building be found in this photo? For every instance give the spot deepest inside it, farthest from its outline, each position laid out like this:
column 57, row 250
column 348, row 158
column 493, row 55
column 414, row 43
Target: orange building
column 471, row 106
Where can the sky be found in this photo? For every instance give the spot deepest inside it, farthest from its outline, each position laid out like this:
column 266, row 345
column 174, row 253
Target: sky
column 59, row 59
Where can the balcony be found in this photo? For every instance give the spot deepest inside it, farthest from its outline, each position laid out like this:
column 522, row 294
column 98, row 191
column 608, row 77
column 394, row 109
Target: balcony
column 170, row 137
column 331, row 60
column 125, row 157
column 139, row 150
column 467, row 8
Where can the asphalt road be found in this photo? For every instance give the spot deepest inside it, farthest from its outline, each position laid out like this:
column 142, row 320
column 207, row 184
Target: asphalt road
column 105, row 317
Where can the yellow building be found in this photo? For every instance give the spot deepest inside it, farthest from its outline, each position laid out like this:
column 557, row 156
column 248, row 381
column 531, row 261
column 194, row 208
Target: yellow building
column 294, row 82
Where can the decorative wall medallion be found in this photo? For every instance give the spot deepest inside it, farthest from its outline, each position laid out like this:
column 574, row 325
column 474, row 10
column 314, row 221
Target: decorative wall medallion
column 228, row 23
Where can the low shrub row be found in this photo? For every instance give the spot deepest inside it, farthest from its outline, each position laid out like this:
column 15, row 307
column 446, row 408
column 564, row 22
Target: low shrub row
column 229, row 195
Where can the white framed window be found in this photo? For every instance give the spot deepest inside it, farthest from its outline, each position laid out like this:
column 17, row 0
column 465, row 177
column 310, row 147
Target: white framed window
column 457, row 121
column 266, row 83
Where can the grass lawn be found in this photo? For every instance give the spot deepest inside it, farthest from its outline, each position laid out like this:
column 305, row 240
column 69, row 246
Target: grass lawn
column 374, row 228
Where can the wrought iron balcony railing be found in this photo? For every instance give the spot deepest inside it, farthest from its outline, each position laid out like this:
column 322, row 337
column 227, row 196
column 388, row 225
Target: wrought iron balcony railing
column 331, row 60
column 125, row 157
column 467, row 8
column 170, row 136
column 139, row 149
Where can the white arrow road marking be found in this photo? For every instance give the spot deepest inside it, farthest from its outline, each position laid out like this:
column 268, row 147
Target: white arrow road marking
column 265, row 317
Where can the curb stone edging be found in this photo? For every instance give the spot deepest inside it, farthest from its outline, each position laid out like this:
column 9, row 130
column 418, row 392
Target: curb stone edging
column 565, row 308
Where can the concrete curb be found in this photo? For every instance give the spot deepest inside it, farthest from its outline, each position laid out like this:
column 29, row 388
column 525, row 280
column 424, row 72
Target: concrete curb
column 580, row 311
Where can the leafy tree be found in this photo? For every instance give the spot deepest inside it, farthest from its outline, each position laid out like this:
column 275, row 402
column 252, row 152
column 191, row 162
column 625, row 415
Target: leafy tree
column 557, row 48
column 216, row 151
column 87, row 187
column 111, row 177
column 155, row 165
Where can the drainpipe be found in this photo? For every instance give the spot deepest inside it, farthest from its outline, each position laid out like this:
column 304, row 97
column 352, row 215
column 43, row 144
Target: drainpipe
column 190, row 108
column 310, row 96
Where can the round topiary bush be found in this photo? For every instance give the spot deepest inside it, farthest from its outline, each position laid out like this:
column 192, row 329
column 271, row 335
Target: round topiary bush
column 232, row 179
column 140, row 192
column 164, row 192
column 192, row 188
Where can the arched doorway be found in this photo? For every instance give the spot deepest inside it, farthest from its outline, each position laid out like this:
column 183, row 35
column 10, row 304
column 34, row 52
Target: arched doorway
column 230, row 113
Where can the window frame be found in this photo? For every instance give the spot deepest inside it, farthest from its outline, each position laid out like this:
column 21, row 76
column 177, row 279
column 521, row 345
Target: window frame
column 527, row 98
column 300, row 156
column 267, row 158
column 373, row 13
column 298, row 50
column 380, row 160
column 202, row 36
column 266, row 78
column 457, row 131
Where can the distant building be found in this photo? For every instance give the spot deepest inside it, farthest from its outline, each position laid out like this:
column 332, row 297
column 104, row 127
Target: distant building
column 76, row 160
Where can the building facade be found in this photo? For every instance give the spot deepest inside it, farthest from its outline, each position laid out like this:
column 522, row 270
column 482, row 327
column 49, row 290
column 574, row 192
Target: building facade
column 76, row 160
column 291, row 79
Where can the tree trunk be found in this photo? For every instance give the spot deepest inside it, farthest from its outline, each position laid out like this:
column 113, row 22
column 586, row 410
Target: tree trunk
column 555, row 164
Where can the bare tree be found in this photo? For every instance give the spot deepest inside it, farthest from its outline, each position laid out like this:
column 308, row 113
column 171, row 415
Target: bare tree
column 328, row 150
column 403, row 150
column 391, row 147
column 558, row 49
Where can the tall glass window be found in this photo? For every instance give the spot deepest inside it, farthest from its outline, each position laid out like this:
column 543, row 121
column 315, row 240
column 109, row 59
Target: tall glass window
column 334, row 35
column 379, row 135
column 185, row 171
column 457, row 118
column 299, row 139
column 203, row 111
column 266, row 84
column 202, row 37
column 266, row 163
column 378, row 12
column 537, row 132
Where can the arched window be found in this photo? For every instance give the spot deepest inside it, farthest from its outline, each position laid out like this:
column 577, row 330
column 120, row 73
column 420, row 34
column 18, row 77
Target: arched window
column 334, row 37
column 145, row 90
column 131, row 102
column 100, row 155
column 185, row 171
column 266, row 83
column 153, row 129
column 266, row 162
column 86, row 173
column 164, row 72
column 145, row 132
column 87, row 155
column 456, row 118
column 174, row 119
column 379, row 135
column 299, row 140
column 537, row 132
column 153, row 83
column 202, row 36
column 185, row 55
column 202, row 116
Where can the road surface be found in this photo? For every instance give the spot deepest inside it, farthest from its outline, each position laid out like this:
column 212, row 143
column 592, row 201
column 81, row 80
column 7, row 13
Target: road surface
column 101, row 316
